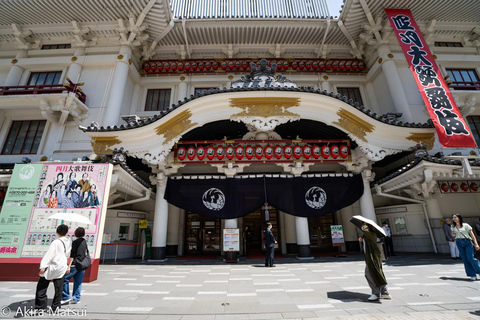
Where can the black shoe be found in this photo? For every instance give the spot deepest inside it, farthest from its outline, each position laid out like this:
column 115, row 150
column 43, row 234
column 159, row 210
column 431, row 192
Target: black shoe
column 272, row 266
column 266, row 266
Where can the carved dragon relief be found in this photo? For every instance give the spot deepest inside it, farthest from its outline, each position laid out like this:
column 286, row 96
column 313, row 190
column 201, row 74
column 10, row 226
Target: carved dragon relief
column 265, row 114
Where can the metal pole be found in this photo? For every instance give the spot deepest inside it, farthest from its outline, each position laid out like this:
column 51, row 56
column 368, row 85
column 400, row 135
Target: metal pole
column 116, row 250
column 104, row 252
column 143, row 251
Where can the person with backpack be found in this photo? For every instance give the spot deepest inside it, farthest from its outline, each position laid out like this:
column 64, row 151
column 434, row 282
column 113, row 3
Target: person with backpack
column 77, row 264
column 53, row 267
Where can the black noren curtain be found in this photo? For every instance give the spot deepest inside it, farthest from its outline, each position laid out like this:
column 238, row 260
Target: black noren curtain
column 237, row 197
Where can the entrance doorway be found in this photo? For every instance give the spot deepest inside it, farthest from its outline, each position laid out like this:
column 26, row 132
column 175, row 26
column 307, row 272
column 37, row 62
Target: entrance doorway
column 202, row 235
column 255, row 221
column 320, row 235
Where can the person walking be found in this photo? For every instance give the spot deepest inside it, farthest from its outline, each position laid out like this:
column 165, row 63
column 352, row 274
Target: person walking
column 454, row 253
column 464, row 238
column 53, row 267
column 373, row 265
column 270, row 246
column 388, row 241
column 79, row 252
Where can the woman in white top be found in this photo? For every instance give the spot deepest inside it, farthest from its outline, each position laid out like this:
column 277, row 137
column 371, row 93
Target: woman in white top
column 53, row 267
column 464, row 237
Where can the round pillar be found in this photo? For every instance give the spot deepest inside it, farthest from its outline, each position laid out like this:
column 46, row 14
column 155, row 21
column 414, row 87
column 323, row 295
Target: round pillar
column 75, row 69
column 326, row 84
column 433, row 208
column 117, row 88
column 160, row 220
column 303, row 237
column 15, row 73
column 366, row 201
column 394, row 83
column 290, row 233
column 182, row 89
column 349, row 230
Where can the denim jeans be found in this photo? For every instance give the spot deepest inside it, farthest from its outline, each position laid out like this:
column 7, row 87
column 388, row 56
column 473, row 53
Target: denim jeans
column 472, row 265
column 77, row 284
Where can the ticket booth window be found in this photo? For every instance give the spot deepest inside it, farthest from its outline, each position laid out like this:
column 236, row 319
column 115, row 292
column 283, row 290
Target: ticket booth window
column 123, row 231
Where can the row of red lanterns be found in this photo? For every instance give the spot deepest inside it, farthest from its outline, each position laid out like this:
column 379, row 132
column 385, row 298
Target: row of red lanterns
column 244, row 65
column 458, row 186
column 278, row 152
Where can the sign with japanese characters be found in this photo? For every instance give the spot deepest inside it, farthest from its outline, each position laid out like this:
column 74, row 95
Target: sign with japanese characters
column 337, row 235
column 451, row 128
column 231, row 239
column 38, row 191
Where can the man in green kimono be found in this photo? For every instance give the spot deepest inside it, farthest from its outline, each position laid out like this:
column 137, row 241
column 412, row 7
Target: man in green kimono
column 373, row 269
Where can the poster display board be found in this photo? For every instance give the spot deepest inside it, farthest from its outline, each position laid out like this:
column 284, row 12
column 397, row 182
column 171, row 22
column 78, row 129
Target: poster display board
column 38, row 191
column 231, row 239
column 337, row 235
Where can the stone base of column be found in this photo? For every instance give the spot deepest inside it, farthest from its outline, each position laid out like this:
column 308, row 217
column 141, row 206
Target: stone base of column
column 304, row 251
column 172, row 250
column 231, row 256
column 159, row 253
column 292, row 248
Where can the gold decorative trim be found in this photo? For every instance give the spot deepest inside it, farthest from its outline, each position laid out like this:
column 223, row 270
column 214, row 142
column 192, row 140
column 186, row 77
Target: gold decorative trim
column 182, row 78
column 390, row 56
column 120, row 57
column 130, row 61
column 435, row 56
column 353, row 124
column 14, row 61
column 175, row 126
column 427, row 139
column 380, row 60
column 325, row 78
column 265, row 107
column 101, row 145
column 74, row 59
column 230, row 77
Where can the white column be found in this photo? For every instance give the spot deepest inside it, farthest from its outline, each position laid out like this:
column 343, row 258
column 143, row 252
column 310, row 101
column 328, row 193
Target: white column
column 303, row 237
column 15, row 73
column 349, row 229
column 394, row 83
column 135, row 105
column 231, row 223
column 160, row 220
column 366, row 201
column 75, row 69
column 117, row 88
column 173, row 229
column 433, row 208
column 326, row 84
column 182, row 89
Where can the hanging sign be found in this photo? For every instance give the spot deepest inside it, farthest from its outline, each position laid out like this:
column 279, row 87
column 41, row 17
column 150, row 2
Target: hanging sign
column 451, row 128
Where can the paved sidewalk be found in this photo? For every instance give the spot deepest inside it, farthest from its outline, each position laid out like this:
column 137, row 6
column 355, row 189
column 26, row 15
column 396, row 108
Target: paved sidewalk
column 423, row 286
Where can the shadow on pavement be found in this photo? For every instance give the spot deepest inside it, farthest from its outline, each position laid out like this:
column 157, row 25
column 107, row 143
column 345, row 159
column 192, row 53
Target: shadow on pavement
column 475, row 313
column 347, row 296
column 455, row 279
column 21, row 309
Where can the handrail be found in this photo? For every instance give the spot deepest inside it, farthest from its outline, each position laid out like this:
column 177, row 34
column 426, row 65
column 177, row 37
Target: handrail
column 465, row 85
column 44, row 89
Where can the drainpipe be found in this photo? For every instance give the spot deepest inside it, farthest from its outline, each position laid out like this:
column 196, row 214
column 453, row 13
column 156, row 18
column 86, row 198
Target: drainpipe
column 145, row 198
column 379, row 192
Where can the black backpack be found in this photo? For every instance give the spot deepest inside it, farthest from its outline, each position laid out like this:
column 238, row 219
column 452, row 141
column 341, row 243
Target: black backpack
column 85, row 262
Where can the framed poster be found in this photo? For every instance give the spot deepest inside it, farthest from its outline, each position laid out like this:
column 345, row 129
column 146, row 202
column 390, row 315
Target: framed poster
column 337, row 235
column 231, row 239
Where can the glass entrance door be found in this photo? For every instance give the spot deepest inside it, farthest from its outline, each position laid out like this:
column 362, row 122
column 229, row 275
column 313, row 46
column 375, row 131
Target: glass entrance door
column 202, row 235
column 320, row 235
column 253, row 226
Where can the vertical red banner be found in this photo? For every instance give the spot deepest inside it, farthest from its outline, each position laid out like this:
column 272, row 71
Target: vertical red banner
column 451, row 128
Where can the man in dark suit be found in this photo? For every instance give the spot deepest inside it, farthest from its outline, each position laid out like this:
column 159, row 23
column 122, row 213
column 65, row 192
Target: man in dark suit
column 270, row 245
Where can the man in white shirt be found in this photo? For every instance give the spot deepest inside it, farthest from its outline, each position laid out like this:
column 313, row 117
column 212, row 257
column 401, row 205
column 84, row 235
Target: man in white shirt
column 388, row 240
column 53, row 267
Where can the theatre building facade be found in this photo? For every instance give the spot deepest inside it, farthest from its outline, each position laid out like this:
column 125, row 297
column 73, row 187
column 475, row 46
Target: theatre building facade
column 226, row 116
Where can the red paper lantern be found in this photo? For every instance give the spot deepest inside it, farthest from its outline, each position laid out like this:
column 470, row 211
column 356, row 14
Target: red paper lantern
column 348, row 65
column 180, row 66
column 245, row 65
column 288, row 152
column 444, row 187
column 278, row 152
column 335, row 65
column 200, row 153
column 238, row 65
column 215, row 65
column 194, row 65
column 239, row 152
column 454, row 187
column 224, row 65
column 334, row 151
column 230, row 152
column 231, row 65
column 301, row 65
column 341, row 66
column 355, row 66
column 191, row 153
column 361, row 66
column 307, row 152
column 181, row 153
column 166, row 66
column 208, row 65
column 344, row 151
column 201, row 66
column 268, row 152
column 315, row 65
column 294, row 65
column 173, row 66
column 321, row 65
column 325, row 151
column 188, row 66
column 286, row 64
column 249, row 152
column 153, row 66
column 297, row 152
column 220, row 152
column 258, row 152
column 473, row 186
column 308, row 65
column 329, row 65
column 316, row 151
column 210, row 153
column 464, row 187
column 146, row 67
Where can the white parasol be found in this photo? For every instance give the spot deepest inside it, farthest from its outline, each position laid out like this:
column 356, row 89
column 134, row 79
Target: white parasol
column 359, row 220
column 70, row 216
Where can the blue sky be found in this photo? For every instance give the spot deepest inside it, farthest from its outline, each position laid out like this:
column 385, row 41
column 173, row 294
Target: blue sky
column 334, row 6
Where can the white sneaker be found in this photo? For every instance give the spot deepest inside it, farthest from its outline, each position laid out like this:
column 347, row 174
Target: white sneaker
column 65, row 301
column 373, row 297
column 74, row 302
column 386, row 297
column 473, row 278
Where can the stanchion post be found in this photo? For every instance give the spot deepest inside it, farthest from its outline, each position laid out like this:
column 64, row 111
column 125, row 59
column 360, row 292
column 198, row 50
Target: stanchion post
column 143, row 251
column 104, row 248
column 116, row 251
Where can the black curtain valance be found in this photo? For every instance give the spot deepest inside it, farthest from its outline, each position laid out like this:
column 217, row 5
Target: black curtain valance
column 231, row 198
